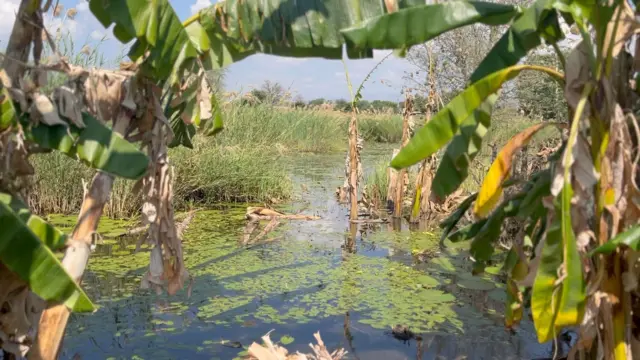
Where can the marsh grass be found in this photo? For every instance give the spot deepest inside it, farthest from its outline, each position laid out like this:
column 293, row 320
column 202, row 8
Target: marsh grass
column 211, row 173
column 58, row 188
column 381, row 128
column 377, row 181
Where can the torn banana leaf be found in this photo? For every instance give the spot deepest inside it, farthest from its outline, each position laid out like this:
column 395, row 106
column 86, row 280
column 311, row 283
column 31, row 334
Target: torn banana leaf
column 96, row 145
column 445, row 124
column 629, row 238
column 420, row 24
column 26, row 255
column 53, row 238
column 464, row 147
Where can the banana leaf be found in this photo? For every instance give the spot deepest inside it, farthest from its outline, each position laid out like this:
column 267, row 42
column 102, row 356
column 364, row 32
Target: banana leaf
column 95, row 145
column 420, row 24
column 26, row 255
column 445, row 124
column 53, row 238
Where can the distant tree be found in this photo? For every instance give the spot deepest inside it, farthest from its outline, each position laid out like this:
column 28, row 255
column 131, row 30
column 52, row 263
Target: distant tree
column 298, row 102
column 383, row 105
column 318, row 101
column 342, row 105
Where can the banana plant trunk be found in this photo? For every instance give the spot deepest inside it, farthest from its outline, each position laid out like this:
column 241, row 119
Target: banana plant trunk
column 353, row 166
column 401, row 178
column 54, row 319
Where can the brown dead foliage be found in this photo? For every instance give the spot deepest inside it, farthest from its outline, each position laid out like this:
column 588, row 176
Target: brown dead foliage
column 271, row 351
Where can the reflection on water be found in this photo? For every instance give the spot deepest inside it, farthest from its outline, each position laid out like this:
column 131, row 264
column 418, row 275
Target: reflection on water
column 350, row 283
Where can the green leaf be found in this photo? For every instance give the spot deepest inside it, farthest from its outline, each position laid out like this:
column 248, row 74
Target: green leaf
column 53, row 238
column 286, row 340
column 629, row 238
column 95, row 145
column 441, row 128
column 464, row 147
column 420, row 24
column 214, row 125
column 7, row 110
column 533, row 200
column 450, row 222
column 525, row 34
column 24, row 254
column 556, row 304
column 467, row 232
column 156, row 27
column 239, row 28
column 545, row 299
column 182, row 133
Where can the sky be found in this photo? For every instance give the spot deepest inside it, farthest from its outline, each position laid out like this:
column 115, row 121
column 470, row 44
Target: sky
column 311, row 78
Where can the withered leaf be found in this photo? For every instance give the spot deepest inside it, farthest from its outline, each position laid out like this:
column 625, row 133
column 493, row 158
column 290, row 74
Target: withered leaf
column 47, row 111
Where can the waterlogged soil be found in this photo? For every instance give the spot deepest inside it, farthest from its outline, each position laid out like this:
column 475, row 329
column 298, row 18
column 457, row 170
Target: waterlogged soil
column 301, row 282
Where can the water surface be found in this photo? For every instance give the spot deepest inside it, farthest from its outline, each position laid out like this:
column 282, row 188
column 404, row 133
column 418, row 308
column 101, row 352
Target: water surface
column 301, row 282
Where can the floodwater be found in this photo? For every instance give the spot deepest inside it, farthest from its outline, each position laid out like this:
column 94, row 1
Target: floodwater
column 301, row 282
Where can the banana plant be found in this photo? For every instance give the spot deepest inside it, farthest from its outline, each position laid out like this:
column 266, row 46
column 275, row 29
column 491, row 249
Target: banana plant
column 586, row 197
column 572, row 210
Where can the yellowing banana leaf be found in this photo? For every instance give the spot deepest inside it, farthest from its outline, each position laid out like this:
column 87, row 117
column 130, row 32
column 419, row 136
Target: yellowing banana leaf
column 491, row 189
column 444, row 125
column 420, row 24
column 53, row 238
column 525, row 34
column 26, row 255
column 558, row 302
column 95, row 145
column 629, row 238
column 513, row 305
column 464, row 147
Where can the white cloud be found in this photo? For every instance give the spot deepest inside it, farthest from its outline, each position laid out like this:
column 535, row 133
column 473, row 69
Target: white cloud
column 82, row 5
column 199, row 5
column 97, row 35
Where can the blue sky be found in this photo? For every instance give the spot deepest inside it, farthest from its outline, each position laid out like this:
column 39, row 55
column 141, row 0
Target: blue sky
column 311, row 78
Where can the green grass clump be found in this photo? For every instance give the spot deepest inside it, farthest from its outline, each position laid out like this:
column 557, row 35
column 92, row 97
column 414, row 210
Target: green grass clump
column 377, row 182
column 382, row 129
column 211, row 173
column 58, row 188
column 282, row 129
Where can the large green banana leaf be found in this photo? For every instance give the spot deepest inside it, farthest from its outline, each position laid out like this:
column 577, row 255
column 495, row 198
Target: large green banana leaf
column 464, row 147
column 537, row 22
column 420, row 24
column 301, row 29
column 25, row 254
column 156, row 27
column 95, row 145
column 444, row 125
column 47, row 233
